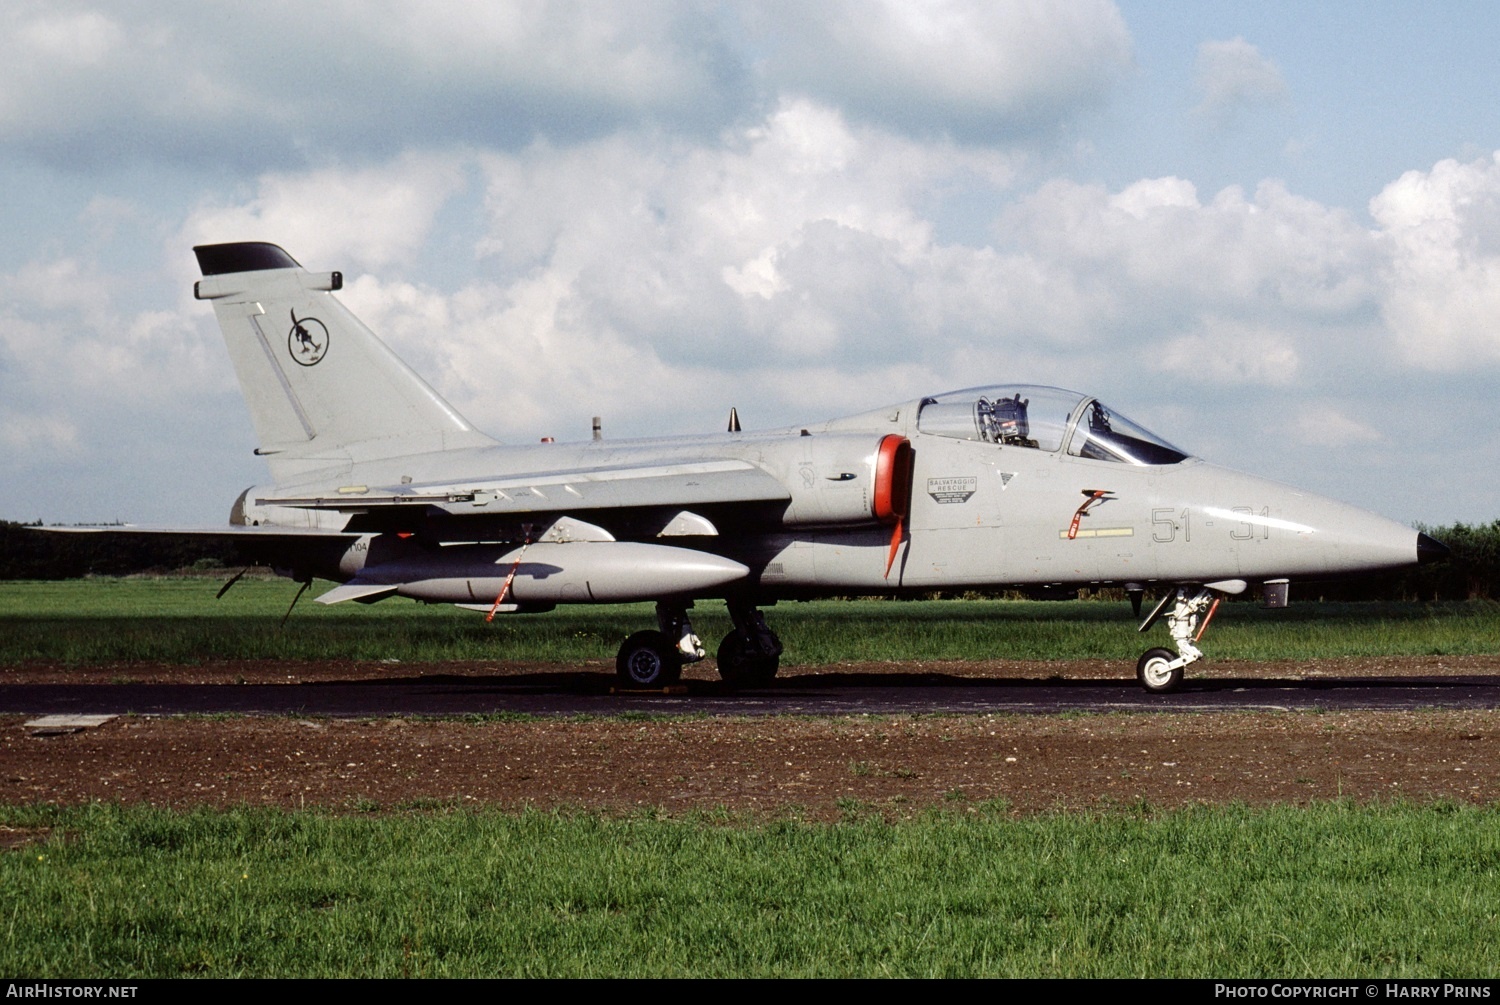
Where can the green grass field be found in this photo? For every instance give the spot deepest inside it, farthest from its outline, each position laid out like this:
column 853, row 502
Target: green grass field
column 1331, row 891
column 179, row 621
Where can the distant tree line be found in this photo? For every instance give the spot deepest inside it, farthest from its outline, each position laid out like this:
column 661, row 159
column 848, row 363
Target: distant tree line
column 27, row 553
column 1472, row 572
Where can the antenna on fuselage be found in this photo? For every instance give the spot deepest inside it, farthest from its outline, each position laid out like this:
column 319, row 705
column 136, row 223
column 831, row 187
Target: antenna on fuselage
column 225, row 588
column 305, row 584
column 734, row 420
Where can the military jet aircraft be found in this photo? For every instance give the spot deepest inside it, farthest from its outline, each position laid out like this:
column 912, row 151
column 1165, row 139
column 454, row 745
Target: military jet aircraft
column 380, row 485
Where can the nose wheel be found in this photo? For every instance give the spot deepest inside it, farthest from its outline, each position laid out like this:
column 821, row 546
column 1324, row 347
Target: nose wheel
column 1156, row 671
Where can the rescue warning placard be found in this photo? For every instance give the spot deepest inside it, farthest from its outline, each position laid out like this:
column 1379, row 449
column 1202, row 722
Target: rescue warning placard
column 952, row 490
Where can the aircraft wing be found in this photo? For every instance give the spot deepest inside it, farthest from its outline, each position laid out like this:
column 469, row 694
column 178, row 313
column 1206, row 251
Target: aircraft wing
column 684, row 484
column 227, row 533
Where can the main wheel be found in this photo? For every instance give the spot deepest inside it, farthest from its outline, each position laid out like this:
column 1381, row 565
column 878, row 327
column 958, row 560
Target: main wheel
column 745, row 668
column 1153, row 673
column 648, row 659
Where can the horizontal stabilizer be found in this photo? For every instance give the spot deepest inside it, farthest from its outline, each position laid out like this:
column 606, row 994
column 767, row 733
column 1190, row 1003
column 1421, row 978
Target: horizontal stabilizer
column 365, row 593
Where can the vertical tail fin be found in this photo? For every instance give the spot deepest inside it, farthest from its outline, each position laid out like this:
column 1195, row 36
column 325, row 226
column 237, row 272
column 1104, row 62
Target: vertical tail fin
column 323, row 391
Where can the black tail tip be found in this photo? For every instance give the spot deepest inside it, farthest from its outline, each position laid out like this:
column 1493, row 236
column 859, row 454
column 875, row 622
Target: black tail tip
column 242, row 256
column 1430, row 549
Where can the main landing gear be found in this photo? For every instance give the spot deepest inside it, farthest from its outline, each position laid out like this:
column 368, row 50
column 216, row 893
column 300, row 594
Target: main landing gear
column 749, row 655
column 654, row 658
column 1160, row 670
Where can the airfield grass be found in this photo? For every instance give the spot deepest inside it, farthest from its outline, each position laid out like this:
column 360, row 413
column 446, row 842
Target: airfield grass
column 178, row 620
column 1331, row 889
column 1334, row 890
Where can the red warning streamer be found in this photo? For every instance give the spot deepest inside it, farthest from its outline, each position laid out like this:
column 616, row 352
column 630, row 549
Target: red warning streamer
column 890, row 558
column 505, row 587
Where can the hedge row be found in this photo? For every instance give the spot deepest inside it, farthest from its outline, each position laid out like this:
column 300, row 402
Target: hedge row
column 27, row 553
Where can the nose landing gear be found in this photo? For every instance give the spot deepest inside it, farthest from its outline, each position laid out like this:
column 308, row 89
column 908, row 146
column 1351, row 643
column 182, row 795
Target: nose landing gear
column 1160, row 670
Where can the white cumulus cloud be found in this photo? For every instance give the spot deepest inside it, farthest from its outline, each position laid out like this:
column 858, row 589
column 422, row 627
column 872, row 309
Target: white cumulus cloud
column 362, row 217
column 980, row 70
column 1442, row 283
column 1233, row 76
column 89, row 84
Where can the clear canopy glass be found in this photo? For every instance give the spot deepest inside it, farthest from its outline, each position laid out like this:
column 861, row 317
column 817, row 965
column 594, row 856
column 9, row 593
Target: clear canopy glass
column 1044, row 418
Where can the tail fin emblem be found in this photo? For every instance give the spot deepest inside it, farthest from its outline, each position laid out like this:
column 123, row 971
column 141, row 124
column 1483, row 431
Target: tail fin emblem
column 307, row 341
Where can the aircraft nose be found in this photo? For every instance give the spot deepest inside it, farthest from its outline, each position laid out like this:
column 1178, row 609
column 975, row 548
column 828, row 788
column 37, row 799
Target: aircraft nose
column 1430, row 549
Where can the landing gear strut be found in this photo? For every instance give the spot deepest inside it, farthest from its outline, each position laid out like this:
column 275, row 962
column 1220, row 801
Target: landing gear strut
column 751, row 654
column 1160, row 670
column 654, row 658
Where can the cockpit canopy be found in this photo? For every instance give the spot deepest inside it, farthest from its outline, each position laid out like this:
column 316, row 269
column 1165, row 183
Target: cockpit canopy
column 1044, row 418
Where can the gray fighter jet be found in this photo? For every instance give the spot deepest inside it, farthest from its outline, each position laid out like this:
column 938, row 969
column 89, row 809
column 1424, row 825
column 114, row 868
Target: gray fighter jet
column 378, row 484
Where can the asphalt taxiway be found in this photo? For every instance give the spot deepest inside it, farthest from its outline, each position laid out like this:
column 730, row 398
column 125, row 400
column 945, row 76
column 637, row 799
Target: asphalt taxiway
column 809, row 694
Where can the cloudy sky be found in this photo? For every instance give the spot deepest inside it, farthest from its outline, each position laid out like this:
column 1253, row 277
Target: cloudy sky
column 1269, row 231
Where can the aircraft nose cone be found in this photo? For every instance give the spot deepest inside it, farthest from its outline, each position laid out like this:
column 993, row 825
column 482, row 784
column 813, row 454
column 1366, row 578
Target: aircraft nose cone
column 1430, row 549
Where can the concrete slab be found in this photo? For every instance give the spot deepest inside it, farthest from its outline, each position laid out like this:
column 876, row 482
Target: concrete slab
column 58, row 725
